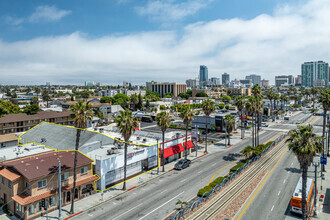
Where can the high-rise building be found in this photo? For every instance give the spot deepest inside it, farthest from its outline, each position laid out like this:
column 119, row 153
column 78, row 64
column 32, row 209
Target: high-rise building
column 290, row 79
column 298, row 80
column 192, row 83
column 311, row 71
column 215, row 81
column 264, row 83
column 203, row 75
column 255, row 79
column 165, row 87
column 281, row 80
column 89, row 83
column 47, row 83
column 225, row 79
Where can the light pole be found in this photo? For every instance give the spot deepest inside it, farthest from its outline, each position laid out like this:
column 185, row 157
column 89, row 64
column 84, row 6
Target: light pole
column 59, row 192
column 316, row 164
column 196, row 147
column 157, row 138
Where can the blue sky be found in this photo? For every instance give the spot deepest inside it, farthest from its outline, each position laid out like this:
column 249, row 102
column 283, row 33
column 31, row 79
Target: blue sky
column 69, row 42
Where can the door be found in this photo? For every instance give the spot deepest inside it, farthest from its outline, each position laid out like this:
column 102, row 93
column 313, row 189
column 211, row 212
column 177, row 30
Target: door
column 5, row 198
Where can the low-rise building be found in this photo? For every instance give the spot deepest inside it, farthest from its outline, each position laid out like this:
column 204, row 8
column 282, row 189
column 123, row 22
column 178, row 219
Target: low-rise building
column 21, row 122
column 240, row 91
column 8, row 140
column 25, row 182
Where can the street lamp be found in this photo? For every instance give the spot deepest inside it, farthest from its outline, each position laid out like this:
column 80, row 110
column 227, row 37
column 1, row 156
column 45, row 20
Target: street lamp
column 157, row 138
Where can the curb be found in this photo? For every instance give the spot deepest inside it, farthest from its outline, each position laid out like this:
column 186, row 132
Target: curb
column 200, row 156
column 71, row 216
column 131, row 188
column 230, row 146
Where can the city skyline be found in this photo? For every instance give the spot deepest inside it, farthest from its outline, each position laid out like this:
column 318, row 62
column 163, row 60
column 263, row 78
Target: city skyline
column 46, row 42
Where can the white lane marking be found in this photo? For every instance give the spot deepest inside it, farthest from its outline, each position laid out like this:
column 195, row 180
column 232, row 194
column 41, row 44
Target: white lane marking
column 163, row 191
column 161, row 206
column 284, row 181
column 272, row 208
column 291, row 163
column 127, row 211
column 114, row 203
column 214, row 164
column 183, row 180
column 199, row 171
column 90, row 215
column 279, row 192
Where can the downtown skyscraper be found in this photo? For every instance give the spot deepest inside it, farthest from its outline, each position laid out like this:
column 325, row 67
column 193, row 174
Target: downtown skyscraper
column 203, row 75
column 311, row 71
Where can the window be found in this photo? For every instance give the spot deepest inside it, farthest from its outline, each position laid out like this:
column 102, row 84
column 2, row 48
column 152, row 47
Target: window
column 64, row 176
column 38, row 207
column 2, row 180
column 52, row 201
column 42, row 184
column 31, row 210
column 9, row 184
column 84, row 170
column 27, row 185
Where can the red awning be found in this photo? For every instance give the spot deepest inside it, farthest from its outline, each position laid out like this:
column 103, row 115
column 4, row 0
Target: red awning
column 190, row 144
column 170, row 151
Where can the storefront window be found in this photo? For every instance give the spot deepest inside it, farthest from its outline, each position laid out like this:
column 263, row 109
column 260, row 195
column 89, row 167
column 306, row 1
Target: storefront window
column 52, row 201
column 38, row 207
column 31, row 210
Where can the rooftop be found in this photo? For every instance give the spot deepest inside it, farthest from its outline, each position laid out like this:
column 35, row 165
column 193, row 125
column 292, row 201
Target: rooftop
column 8, row 137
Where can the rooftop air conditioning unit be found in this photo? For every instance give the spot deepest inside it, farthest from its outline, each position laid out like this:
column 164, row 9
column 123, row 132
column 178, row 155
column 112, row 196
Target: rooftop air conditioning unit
column 101, row 130
column 144, row 139
column 138, row 138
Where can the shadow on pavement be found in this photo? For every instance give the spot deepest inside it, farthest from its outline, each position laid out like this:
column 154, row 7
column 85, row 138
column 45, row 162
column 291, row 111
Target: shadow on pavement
column 326, row 204
column 293, row 170
column 292, row 215
column 231, row 157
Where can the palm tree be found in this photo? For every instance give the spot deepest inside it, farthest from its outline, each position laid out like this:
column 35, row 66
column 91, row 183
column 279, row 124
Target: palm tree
column 314, row 91
column 208, row 107
column 270, row 96
column 256, row 90
column 46, row 97
column 163, row 121
column 250, row 107
column 247, row 151
column 304, row 144
column 324, row 98
column 259, row 105
column 230, row 125
column 240, row 103
column 187, row 116
column 126, row 124
column 82, row 113
column 37, row 90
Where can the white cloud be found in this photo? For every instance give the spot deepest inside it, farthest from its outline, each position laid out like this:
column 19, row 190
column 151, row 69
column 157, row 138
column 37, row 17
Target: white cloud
column 171, row 10
column 48, row 13
column 267, row 45
column 12, row 20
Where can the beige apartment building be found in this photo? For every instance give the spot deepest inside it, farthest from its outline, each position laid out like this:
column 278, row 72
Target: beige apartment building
column 26, row 181
column 21, row 122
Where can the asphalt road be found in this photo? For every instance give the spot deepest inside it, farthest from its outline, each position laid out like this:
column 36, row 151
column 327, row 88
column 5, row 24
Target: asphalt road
column 273, row 199
column 157, row 199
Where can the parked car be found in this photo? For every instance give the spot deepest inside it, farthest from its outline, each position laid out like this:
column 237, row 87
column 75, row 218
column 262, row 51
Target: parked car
column 263, row 124
column 298, row 122
column 181, row 164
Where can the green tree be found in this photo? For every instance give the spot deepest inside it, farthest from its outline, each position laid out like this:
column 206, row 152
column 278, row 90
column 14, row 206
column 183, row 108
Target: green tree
column 163, row 121
column 304, row 144
column 168, row 95
column 314, row 92
column 247, row 151
column 101, row 116
column 162, row 107
column 201, row 94
column 147, row 104
column 37, row 90
column 221, row 105
column 31, row 109
column 208, row 107
column 46, row 97
column 230, row 125
column 227, row 107
column 187, row 116
column 35, row 100
column 226, row 99
column 134, row 101
column 82, row 113
column 240, row 103
column 139, row 105
column 106, row 99
column 7, row 107
column 126, row 124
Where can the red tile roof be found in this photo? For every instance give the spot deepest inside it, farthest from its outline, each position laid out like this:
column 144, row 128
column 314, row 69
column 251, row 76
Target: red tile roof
column 40, row 165
column 9, row 174
column 24, row 199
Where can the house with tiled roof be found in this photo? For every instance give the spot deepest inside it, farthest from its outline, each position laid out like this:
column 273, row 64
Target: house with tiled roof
column 26, row 181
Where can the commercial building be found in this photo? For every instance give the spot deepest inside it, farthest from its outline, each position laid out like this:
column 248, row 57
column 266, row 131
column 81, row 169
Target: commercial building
column 21, row 122
column 203, row 75
column 214, row 81
column 89, row 83
column 225, row 79
column 192, row 83
column 213, row 122
column 284, row 80
column 319, row 83
column 166, row 87
column 264, row 83
column 26, row 181
column 298, row 80
column 255, row 79
column 240, row 91
column 212, row 93
column 311, row 71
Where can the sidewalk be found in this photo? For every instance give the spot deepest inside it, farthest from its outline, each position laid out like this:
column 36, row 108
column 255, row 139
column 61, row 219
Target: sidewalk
column 323, row 205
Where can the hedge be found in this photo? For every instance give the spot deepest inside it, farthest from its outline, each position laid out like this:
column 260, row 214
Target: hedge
column 209, row 187
column 237, row 167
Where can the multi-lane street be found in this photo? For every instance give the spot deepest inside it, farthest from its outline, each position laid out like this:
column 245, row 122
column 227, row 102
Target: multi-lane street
column 157, row 198
column 273, row 199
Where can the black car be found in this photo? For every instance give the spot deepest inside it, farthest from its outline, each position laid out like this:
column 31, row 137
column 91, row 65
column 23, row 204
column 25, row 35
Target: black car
column 181, row 164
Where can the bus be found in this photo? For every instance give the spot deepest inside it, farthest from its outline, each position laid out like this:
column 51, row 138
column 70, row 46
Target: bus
column 295, row 203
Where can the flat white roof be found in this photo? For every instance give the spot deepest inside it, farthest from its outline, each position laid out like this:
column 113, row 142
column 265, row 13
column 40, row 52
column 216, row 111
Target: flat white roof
column 298, row 191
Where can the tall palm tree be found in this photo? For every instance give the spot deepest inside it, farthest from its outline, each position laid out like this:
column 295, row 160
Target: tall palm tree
column 270, row 97
column 163, row 121
column 314, row 91
column 240, row 103
column 126, row 124
column 37, row 90
column 187, row 116
column 304, row 144
column 208, row 107
column 324, row 98
column 259, row 105
column 256, row 91
column 82, row 113
column 250, row 107
column 230, row 124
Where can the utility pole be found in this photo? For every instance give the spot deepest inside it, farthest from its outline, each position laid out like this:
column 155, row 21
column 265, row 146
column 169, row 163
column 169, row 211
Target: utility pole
column 59, row 192
column 315, row 195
